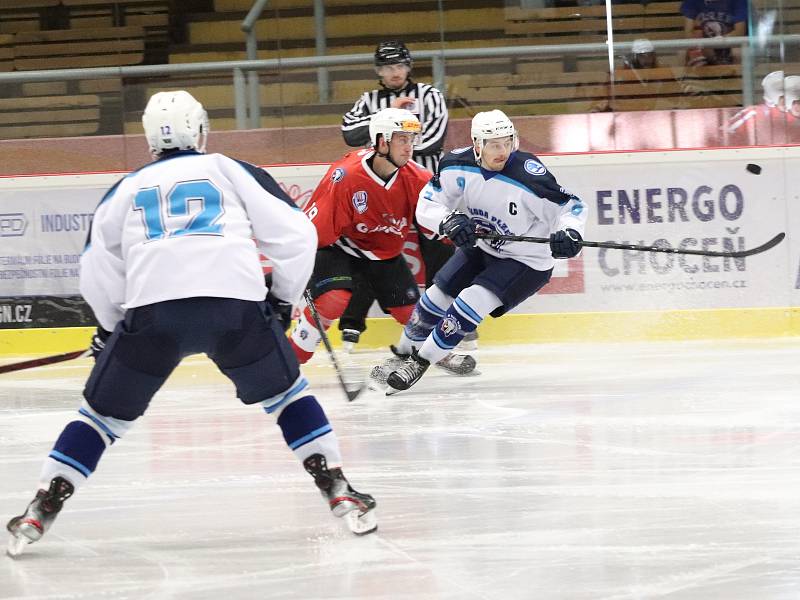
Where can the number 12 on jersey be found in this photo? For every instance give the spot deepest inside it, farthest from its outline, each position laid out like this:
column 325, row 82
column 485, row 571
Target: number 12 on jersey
column 178, row 204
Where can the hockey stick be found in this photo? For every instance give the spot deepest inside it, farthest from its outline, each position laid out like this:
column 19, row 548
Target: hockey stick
column 45, row 360
column 615, row 246
column 351, row 395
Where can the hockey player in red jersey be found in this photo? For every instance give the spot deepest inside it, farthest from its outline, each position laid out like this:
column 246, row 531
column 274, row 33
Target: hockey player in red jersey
column 362, row 210
column 765, row 117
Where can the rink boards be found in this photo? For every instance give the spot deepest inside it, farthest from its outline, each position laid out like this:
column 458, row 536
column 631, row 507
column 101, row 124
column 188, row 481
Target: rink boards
column 696, row 199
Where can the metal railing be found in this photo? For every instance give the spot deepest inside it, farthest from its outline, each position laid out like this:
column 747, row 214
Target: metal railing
column 438, row 59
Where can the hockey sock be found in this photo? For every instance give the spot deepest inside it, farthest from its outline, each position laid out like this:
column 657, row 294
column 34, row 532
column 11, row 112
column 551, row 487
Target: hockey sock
column 277, row 403
column 463, row 317
column 81, row 444
column 429, row 309
column 306, row 336
column 307, row 431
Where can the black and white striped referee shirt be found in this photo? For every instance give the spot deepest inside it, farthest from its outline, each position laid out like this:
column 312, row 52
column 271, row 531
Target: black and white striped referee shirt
column 430, row 109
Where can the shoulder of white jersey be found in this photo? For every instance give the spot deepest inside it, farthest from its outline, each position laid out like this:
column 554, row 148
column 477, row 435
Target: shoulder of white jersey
column 459, row 158
column 265, row 180
column 112, row 190
column 527, row 170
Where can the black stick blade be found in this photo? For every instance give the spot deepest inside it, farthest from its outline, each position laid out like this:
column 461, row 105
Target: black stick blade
column 759, row 249
column 40, row 362
column 353, row 394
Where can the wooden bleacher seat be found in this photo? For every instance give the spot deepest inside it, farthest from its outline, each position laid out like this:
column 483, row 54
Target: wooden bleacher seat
column 18, row 15
column 49, row 116
column 244, row 5
column 402, row 24
column 6, row 52
column 16, row 4
column 644, row 89
column 73, row 48
column 574, row 22
column 107, row 13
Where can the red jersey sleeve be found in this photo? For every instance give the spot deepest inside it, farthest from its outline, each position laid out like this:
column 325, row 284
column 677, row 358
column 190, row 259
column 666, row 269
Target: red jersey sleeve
column 329, row 208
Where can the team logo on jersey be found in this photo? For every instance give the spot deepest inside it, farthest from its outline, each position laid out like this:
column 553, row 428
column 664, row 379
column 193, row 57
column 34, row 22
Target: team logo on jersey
column 484, row 225
column 461, row 150
column 450, row 325
column 360, row 202
column 535, row 168
column 338, row 175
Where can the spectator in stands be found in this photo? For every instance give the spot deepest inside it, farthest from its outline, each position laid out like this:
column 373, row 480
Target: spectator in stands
column 397, row 90
column 642, row 56
column 713, row 18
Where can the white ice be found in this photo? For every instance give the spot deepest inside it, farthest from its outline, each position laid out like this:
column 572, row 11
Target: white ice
column 587, row 471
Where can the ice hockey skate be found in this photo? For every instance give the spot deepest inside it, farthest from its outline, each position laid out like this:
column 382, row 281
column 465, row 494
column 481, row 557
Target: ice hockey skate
column 458, row 364
column 455, row 364
column 410, row 373
column 30, row 526
column 469, row 343
column 379, row 373
column 356, row 508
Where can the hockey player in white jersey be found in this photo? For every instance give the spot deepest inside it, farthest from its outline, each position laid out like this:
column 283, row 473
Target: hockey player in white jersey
column 489, row 187
column 171, row 269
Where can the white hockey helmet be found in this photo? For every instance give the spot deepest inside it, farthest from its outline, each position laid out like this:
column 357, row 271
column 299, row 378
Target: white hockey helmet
column 773, row 87
column 491, row 125
column 175, row 121
column 393, row 120
column 791, row 91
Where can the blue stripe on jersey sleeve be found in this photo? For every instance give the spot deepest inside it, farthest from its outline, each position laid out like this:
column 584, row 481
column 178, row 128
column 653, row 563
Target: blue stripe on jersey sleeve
column 266, row 181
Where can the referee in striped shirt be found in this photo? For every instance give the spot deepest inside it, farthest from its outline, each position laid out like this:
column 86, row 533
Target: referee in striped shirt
column 393, row 66
column 398, row 90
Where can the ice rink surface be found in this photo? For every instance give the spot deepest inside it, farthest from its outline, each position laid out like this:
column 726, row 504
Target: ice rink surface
column 614, row 471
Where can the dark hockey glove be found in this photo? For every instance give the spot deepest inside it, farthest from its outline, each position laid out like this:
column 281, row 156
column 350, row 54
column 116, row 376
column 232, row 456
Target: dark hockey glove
column 281, row 310
column 99, row 341
column 459, row 228
column 565, row 243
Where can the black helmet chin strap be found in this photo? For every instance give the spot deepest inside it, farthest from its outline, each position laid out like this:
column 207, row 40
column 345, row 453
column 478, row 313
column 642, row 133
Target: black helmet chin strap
column 385, row 156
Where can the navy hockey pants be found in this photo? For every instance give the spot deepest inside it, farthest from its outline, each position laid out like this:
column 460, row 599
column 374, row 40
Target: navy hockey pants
column 241, row 337
column 506, row 278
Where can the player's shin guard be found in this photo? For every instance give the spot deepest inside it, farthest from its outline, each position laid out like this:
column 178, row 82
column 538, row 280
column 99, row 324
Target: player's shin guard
column 306, row 429
column 306, row 337
column 459, row 320
column 81, row 444
column 424, row 318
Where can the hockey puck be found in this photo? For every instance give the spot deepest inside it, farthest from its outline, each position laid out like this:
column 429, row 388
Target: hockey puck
column 754, row 169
